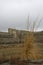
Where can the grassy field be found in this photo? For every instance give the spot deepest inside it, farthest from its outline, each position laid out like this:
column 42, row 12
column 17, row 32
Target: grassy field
column 14, row 50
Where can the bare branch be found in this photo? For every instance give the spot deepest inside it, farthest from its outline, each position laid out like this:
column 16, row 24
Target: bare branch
column 39, row 23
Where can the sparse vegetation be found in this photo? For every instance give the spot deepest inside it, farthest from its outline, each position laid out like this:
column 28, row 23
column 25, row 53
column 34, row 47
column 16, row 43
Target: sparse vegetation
column 31, row 49
column 28, row 50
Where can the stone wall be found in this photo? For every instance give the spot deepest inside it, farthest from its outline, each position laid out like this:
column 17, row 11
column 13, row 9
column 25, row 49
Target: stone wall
column 18, row 36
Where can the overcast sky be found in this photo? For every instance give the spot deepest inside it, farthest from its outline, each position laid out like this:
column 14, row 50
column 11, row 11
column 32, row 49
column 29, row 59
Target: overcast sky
column 14, row 13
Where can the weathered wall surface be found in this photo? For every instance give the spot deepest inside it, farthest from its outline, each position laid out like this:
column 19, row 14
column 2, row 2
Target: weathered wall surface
column 14, row 35
column 8, row 37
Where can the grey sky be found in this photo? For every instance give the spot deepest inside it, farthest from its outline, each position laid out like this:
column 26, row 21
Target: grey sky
column 14, row 13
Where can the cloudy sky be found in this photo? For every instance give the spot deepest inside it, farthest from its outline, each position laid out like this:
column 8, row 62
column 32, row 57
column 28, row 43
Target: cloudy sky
column 14, row 13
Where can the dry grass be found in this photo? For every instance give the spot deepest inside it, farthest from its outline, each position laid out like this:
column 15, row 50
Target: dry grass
column 31, row 48
column 11, row 52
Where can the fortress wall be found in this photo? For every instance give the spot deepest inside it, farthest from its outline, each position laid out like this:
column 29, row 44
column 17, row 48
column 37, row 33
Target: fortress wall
column 18, row 36
column 8, row 37
column 7, row 40
column 12, row 32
